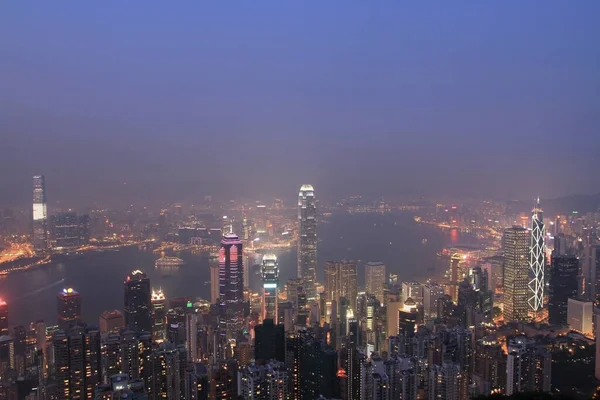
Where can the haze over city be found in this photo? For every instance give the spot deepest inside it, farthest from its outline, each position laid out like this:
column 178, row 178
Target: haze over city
column 493, row 99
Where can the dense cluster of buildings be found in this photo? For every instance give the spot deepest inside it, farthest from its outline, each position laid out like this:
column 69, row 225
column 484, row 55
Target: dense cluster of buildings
column 477, row 332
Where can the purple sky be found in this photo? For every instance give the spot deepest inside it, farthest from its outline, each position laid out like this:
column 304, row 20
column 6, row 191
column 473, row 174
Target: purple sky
column 490, row 99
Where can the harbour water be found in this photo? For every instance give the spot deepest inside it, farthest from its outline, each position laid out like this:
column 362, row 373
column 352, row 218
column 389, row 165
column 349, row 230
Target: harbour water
column 394, row 239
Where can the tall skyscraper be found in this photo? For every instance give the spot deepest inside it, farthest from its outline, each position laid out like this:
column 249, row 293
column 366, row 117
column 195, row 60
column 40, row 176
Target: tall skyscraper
column 69, row 308
column 66, row 230
column 77, row 361
column 214, row 282
column 537, row 259
column 307, row 239
column 231, row 284
column 375, row 279
column 563, row 285
column 159, row 316
column 341, row 281
column 516, row 273
column 40, row 215
column 3, row 318
column 591, row 273
column 270, row 277
column 138, row 305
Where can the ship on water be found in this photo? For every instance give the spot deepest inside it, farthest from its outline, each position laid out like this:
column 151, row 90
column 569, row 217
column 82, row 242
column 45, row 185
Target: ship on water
column 166, row 262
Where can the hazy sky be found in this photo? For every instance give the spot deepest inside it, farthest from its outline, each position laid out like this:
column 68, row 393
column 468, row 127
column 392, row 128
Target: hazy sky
column 178, row 99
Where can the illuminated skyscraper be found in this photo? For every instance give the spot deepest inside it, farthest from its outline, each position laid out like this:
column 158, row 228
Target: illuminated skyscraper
column 340, row 281
column 214, row 282
column 231, row 284
column 3, row 318
column 40, row 214
column 307, row 239
column 66, row 230
column 69, row 308
column 516, row 273
column 270, row 276
column 375, row 279
column 537, row 259
column 563, row 286
column 159, row 316
column 138, row 307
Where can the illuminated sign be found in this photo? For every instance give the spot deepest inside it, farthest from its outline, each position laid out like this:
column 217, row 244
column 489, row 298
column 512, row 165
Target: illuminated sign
column 270, row 286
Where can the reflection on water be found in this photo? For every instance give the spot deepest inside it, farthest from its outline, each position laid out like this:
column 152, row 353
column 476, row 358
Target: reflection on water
column 394, row 239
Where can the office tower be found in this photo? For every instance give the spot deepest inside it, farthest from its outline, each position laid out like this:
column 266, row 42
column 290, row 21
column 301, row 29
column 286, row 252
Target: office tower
column 341, row 281
column 223, row 381
column 432, row 292
column 307, row 239
column 580, row 315
column 528, row 367
column 264, row 382
column 270, row 278
column 296, row 294
column 77, row 362
column 159, row 316
column 40, row 215
column 375, row 279
column 231, row 284
column 66, row 230
column 214, row 282
column 444, row 382
column 591, row 273
column 167, row 375
column 453, row 286
column 537, row 259
column 269, row 341
column 138, row 304
column 563, row 285
column 392, row 317
column 516, row 273
column 69, row 308
column 412, row 290
column 407, row 321
column 111, row 321
column 3, row 318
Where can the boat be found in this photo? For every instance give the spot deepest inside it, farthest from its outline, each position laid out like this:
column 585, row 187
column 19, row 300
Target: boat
column 166, row 261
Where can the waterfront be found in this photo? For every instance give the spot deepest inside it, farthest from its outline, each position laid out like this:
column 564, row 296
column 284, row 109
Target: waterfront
column 394, row 239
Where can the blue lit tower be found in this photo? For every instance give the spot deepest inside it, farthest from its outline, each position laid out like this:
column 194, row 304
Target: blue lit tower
column 40, row 214
column 231, row 284
column 270, row 277
column 307, row 239
column 537, row 259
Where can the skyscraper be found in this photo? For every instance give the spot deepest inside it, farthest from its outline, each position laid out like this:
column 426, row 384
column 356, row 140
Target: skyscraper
column 40, row 215
column 66, row 230
column 270, row 277
column 111, row 321
column 159, row 316
column 214, row 282
column 537, row 259
column 340, row 281
column 516, row 273
column 3, row 318
column 563, row 285
column 591, row 273
column 307, row 239
column 375, row 279
column 77, row 361
column 69, row 308
column 138, row 307
column 231, row 284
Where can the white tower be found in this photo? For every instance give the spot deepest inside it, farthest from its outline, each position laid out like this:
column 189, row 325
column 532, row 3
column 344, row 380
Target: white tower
column 537, row 259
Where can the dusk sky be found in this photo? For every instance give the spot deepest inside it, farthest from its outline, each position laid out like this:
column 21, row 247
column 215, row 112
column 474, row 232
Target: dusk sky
column 493, row 99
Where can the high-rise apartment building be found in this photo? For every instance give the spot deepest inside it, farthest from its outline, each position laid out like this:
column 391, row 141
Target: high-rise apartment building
column 159, row 316
column 69, row 308
column 138, row 303
column 375, row 279
column 591, row 273
column 341, row 281
column 528, row 367
column 270, row 278
column 516, row 273
column 40, row 215
column 231, row 284
column 77, row 362
column 307, row 239
column 537, row 259
column 563, row 285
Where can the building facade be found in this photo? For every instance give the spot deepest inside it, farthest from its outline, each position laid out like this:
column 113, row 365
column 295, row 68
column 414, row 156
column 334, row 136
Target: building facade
column 516, row 273
column 307, row 239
